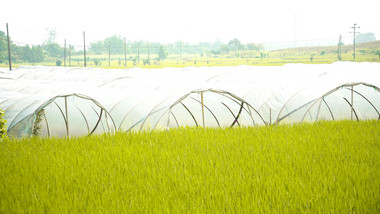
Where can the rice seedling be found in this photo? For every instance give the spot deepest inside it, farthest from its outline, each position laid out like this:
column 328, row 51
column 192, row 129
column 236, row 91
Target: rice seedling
column 318, row 167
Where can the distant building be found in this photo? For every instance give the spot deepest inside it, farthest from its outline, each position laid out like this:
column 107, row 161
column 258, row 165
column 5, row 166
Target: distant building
column 365, row 37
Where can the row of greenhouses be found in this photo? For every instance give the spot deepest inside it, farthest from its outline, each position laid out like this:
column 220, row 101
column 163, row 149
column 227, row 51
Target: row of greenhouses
column 59, row 101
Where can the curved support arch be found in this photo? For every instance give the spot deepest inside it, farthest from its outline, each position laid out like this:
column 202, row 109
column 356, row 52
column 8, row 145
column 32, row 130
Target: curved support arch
column 314, row 101
column 368, row 101
column 97, row 123
column 216, row 119
column 337, row 88
column 332, row 115
column 237, row 117
column 53, row 101
column 353, row 109
column 225, row 94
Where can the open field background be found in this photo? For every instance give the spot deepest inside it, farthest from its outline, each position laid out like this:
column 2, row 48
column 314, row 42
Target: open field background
column 365, row 52
column 324, row 167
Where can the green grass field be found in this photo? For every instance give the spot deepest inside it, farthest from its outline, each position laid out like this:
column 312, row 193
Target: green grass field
column 199, row 62
column 365, row 52
column 117, row 61
column 324, row 167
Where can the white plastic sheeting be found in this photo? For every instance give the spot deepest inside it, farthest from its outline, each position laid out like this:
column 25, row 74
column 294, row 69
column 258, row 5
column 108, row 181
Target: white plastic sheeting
column 62, row 115
column 79, row 101
column 354, row 101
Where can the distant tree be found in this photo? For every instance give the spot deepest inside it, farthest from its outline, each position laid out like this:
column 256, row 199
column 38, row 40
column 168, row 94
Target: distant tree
column 162, row 54
column 58, row 62
column 101, row 47
column 32, row 54
column 16, row 53
column 53, row 50
column 50, row 46
column 51, row 36
column 27, row 53
column 216, row 52
column 378, row 53
column 97, row 47
column 256, row 47
column 38, row 54
column 224, row 48
column 235, row 44
column 3, row 47
column 117, row 44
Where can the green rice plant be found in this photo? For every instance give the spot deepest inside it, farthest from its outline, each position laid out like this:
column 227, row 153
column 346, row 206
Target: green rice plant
column 3, row 127
column 324, row 167
column 37, row 126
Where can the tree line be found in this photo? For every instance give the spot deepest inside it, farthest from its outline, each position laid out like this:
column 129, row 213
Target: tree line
column 29, row 53
column 25, row 53
column 115, row 45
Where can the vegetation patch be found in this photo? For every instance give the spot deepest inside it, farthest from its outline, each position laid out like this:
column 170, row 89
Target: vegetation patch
column 3, row 127
column 318, row 167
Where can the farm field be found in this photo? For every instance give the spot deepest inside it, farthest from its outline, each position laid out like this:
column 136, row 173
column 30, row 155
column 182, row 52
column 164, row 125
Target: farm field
column 310, row 167
column 117, row 61
column 366, row 52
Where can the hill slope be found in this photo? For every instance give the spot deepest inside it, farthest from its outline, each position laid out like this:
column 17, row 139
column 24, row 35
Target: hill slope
column 369, row 47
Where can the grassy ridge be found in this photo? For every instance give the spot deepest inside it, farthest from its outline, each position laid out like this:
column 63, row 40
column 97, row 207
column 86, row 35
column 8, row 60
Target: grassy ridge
column 320, row 167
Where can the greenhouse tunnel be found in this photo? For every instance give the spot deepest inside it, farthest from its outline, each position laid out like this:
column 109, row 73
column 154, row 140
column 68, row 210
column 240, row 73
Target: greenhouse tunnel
column 60, row 116
column 135, row 99
column 352, row 101
column 201, row 108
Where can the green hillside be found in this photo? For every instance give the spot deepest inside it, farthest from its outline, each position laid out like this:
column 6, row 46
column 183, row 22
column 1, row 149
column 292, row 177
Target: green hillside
column 368, row 46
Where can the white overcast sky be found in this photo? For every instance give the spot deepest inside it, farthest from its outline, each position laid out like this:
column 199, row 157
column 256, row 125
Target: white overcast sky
column 191, row 21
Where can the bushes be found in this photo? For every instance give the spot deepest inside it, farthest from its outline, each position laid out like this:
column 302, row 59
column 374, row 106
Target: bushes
column 58, row 62
column 97, row 61
column 3, row 129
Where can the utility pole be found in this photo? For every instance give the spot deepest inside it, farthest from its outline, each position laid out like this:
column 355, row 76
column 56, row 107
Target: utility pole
column 340, row 48
column 109, row 53
column 354, row 27
column 84, row 49
column 70, row 55
column 148, row 53
column 125, row 53
column 65, row 55
column 9, row 50
column 138, row 53
column 180, row 50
